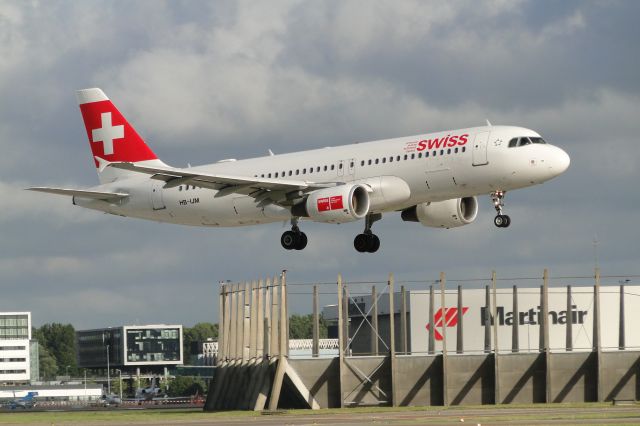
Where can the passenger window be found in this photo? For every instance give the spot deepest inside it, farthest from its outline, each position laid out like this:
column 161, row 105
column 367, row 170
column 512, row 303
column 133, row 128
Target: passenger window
column 310, row 170
column 276, row 174
column 340, row 166
column 333, row 167
column 442, row 152
column 426, row 154
column 456, row 150
column 304, row 171
column 369, row 162
column 290, row 172
column 391, row 159
column 269, row 175
column 377, row 161
column 351, row 164
column 406, row 156
column 413, row 156
column 186, row 187
column 384, row 160
column 398, row 158
column 362, row 163
column 325, row 168
column 297, row 172
column 180, row 188
column 420, row 155
column 449, row 151
column 434, row 153
column 464, row 148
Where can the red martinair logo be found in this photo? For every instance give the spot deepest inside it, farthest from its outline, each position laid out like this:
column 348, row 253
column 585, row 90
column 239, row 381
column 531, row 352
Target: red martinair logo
column 450, row 319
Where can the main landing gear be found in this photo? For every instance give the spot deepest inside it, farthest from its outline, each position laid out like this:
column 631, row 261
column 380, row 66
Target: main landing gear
column 501, row 220
column 294, row 239
column 368, row 241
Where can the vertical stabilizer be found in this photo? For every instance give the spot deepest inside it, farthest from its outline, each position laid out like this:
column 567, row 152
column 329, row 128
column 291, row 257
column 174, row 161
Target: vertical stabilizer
column 111, row 137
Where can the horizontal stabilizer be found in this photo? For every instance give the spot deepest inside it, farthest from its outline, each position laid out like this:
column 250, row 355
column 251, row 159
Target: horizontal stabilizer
column 94, row 195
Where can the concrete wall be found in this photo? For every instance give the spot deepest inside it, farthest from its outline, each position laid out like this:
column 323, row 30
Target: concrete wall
column 374, row 389
column 419, row 380
column 322, row 377
column 521, row 378
column 574, row 377
column 470, row 379
column 620, row 375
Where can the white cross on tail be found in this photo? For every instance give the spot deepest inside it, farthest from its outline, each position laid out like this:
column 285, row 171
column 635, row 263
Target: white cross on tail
column 107, row 133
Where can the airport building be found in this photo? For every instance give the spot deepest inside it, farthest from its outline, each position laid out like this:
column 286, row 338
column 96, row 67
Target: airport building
column 468, row 323
column 17, row 349
column 133, row 349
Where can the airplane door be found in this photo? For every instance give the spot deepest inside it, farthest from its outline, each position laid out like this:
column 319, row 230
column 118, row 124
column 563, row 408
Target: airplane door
column 351, row 167
column 341, row 168
column 156, row 195
column 480, row 149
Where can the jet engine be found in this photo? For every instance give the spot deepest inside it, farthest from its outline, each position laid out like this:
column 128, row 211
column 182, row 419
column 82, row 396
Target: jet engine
column 443, row 214
column 339, row 204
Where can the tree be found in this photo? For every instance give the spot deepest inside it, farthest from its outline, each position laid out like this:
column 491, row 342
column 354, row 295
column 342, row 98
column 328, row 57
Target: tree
column 301, row 327
column 59, row 340
column 48, row 364
column 198, row 333
column 185, row 386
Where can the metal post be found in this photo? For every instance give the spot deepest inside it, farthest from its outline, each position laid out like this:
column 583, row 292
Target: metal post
column 260, row 319
column 621, row 332
column 596, row 332
column 267, row 319
column 445, row 393
column 374, row 322
column 221, row 333
column 228, row 340
column 487, row 319
column 459, row 331
column 240, row 321
column 541, row 319
column 316, row 324
column 340, row 341
column 275, row 329
column 253, row 321
column 403, row 320
column 345, row 318
column 569, row 323
column 495, row 339
column 392, row 342
column 515, row 332
column 432, row 331
column 284, row 321
column 545, row 328
column 246, row 322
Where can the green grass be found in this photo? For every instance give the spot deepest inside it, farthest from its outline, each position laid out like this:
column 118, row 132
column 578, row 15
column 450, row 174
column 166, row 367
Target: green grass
column 473, row 414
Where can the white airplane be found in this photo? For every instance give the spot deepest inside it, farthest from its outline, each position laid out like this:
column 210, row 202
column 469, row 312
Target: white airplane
column 431, row 178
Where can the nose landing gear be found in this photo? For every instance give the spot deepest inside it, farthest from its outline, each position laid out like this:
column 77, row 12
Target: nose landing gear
column 368, row 241
column 294, row 239
column 501, row 220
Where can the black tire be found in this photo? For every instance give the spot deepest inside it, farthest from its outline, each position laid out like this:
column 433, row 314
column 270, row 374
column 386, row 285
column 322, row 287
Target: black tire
column 374, row 243
column 499, row 221
column 507, row 221
column 302, row 241
column 361, row 243
column 289, row 240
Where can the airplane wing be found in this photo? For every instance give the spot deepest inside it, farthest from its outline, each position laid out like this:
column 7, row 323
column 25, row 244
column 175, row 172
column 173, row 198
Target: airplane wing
column 225, row 184
column 95, row 195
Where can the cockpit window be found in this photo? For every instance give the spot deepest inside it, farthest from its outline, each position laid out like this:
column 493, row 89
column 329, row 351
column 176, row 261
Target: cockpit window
column 524, row 140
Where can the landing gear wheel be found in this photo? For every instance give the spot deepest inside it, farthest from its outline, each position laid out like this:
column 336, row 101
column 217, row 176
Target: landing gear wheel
column 502, row 221
column 289, row 240
column 374, row 243
column 302, row 241
column 361, row 243
column 369, row 243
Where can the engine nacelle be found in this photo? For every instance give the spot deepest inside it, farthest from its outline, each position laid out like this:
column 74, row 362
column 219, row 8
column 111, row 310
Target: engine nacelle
column 443, row 214
column 339, row 204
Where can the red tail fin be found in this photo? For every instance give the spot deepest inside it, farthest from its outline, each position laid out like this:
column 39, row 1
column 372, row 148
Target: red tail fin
column 111, row 137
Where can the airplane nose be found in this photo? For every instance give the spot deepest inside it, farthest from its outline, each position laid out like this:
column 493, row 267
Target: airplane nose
column 562, row 161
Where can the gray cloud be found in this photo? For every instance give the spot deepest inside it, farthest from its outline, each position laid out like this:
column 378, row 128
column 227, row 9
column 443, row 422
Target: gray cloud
column 205, row 81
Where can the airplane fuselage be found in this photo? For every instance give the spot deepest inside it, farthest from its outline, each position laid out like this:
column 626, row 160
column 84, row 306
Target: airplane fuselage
column 402, row 172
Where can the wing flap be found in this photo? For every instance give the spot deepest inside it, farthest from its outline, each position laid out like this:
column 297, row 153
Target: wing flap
column 94, row 195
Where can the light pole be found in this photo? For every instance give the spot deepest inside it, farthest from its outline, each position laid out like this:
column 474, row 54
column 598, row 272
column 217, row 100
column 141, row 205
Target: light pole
column 108, row 374
column 120, row 376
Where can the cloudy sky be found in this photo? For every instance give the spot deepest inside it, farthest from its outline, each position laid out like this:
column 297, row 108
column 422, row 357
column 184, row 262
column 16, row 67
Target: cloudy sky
column 203, row 81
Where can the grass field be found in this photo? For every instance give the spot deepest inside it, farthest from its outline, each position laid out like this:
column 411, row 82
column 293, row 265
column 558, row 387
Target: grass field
column 506, row 414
